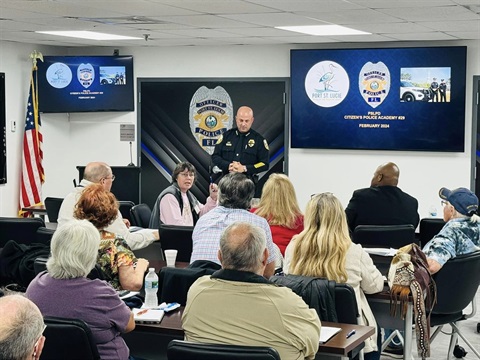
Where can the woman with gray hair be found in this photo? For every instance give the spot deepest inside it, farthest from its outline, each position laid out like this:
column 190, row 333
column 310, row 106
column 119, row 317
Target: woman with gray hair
column 65, row 290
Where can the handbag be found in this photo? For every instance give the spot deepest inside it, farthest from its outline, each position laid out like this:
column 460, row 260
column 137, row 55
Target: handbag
column 409, row 276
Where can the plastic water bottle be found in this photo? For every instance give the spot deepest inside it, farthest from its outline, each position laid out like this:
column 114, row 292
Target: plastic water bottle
column 151, row 288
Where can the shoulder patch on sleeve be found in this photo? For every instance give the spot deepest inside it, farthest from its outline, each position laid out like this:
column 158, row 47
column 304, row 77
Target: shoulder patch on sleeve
column 265, row 144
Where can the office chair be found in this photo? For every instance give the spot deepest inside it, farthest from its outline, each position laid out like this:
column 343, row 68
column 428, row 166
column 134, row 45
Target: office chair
column 22, row 230
column 179, row 238
column 457, row 283
column 140, row 215
column 394, row 236
column 347, row 312
column 124, row 207
column 173, row 283
column 184, row 350
column 429, row 227
column 44, row 235
column 68, row 339
column 52, row 204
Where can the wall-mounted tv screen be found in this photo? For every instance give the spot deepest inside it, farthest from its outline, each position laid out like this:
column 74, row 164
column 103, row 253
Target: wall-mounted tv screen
column 379, row 99
column 85, row 83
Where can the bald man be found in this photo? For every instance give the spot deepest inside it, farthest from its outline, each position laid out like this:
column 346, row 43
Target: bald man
column 383, row 203
column 100, row 173
column 242, row 149
column 21, row 329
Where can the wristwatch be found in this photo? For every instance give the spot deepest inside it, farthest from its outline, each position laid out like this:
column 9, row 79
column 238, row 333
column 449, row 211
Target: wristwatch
column 244, row 168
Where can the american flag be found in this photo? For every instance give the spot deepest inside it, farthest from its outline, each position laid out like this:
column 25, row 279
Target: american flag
column 33, row 175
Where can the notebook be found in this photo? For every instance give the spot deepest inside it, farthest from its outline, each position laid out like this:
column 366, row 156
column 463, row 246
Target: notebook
column 148, row 315
column 327, row 332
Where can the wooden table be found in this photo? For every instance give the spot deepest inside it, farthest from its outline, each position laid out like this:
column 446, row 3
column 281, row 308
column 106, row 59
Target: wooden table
column 338, row 345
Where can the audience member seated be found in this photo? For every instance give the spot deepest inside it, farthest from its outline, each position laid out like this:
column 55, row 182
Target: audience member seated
column 21, row 329
column 65, row 291
column 101, row 173
column 383, row 203
column 237, row 305
column 235, row 193
column 461, row 233
column 324, row 249
column 117, row 261
column 279, row 206
column 176, row 205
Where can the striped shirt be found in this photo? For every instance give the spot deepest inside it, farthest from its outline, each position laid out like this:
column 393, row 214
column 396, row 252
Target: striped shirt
column 209, row 228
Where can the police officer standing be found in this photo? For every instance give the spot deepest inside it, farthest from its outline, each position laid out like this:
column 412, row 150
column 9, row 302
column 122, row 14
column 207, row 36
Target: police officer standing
column 242, row 149
column 443, row 91
column 434, row 90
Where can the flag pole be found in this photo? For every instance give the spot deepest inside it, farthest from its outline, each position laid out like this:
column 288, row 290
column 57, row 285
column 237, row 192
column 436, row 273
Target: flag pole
column 33, row 175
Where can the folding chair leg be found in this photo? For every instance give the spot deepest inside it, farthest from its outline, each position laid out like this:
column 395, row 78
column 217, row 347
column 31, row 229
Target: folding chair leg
column 390, row 338
column 457, row 331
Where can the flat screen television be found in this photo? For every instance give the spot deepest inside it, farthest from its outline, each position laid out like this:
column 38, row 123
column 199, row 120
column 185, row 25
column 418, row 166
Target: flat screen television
column 379, row 99
column 85, row 83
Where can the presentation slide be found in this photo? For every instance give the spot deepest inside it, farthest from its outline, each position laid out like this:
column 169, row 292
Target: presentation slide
column 379, row 99
column 85, row 83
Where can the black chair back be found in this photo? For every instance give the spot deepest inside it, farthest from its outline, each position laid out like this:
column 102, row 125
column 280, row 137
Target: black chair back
column 173, row 283
column 346, row 304
column 125, row 207
column 429, row 227
column 22, row 230
column 40, row 264
column 179, row 238
column 52, row 204
column 140, row 215
column 184, row 350
column 394, row 236
column 457, row 283
column 68, row 339
column 44, row 235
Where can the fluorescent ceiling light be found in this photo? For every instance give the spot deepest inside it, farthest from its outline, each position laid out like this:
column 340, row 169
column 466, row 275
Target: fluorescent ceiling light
column 324, row 30
column 89, row 35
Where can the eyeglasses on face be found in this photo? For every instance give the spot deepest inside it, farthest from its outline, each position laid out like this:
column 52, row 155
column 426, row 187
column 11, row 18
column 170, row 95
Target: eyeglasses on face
column 444, row 203
column 110, row 178
column 187, row 173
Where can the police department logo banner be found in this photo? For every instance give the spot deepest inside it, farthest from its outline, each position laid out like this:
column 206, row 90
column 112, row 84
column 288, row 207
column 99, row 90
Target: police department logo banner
column 374, row 83
column 85, row 75
column 211, row 114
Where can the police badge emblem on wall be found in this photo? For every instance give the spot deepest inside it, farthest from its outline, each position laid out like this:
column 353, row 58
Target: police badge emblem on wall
column 85, row 75
column 211, row 114
column 374, row 83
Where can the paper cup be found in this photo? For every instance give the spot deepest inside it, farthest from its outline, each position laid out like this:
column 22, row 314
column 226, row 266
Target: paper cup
column 171, row 257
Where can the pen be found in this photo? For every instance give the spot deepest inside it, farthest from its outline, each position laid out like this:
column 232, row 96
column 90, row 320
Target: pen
column 211, row 180
column 352, row 332
column 144, row 311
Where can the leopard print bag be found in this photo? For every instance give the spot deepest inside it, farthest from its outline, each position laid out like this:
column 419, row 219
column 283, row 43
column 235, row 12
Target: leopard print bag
column 409, row 276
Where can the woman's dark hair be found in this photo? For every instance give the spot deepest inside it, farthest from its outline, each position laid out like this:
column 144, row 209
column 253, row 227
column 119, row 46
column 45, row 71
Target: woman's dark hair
column 185, row 165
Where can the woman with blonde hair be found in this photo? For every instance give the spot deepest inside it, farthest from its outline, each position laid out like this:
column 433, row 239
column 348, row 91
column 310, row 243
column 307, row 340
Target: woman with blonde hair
column 117, row 261
column 279, row 206
column 324, row 249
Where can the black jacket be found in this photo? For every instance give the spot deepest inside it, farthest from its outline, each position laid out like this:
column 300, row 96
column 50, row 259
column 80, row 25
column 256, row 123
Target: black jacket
column 318, row 293
column 382, row 205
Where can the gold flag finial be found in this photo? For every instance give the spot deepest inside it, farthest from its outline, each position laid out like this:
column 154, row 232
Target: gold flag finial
column 36, row 55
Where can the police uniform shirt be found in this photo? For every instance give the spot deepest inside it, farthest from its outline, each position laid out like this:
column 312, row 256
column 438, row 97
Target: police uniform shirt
column 250, row 149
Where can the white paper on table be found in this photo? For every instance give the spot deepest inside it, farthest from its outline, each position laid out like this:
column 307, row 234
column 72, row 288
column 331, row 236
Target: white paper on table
column 381, row 251
column 327, row 332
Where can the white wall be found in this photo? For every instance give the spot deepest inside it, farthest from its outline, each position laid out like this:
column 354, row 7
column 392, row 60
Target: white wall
column 80, row 138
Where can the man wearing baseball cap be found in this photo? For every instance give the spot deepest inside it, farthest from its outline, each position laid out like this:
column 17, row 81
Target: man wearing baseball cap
column 461, row 233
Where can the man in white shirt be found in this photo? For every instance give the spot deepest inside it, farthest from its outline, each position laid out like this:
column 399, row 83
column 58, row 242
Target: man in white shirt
column 101, row 173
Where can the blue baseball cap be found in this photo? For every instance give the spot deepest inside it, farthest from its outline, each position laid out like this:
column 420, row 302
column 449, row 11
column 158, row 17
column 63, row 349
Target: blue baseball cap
column 462, row 199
